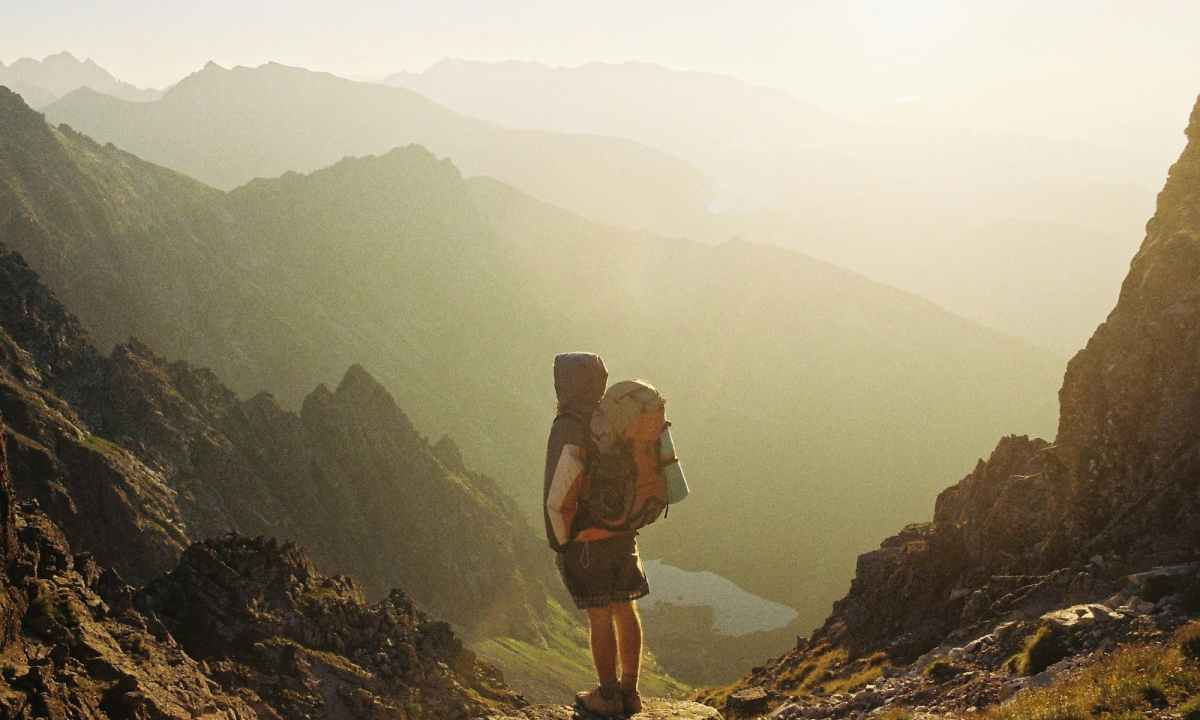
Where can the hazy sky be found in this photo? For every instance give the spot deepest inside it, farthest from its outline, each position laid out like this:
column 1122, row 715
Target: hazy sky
column 1103, row 70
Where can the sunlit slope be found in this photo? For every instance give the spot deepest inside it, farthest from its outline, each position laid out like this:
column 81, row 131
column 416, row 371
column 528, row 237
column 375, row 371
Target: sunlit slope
column 811, row 404
column 228, row 126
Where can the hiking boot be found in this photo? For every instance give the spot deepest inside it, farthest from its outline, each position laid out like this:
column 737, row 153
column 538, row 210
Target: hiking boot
column 632, row 700
column 603, row 700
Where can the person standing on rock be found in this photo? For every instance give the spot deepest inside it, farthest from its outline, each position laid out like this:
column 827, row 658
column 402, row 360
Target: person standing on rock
column 601, row 569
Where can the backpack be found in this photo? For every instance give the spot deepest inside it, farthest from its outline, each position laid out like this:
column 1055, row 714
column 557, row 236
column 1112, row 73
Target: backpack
column 614, row 497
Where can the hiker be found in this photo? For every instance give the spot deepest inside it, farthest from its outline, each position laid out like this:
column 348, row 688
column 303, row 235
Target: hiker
column 600, row 568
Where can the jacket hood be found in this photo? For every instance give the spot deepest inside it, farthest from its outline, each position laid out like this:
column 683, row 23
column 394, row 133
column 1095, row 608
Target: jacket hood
column 579, row 380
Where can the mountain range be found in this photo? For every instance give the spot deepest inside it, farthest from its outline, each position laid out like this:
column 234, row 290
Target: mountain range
column 41, row 82
column 783, row 371
column 936, row 212
column 1056, row 579
column 698, row 154
column 229, row 126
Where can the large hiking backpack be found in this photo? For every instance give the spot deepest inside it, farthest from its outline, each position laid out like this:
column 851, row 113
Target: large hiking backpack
column 616, row 498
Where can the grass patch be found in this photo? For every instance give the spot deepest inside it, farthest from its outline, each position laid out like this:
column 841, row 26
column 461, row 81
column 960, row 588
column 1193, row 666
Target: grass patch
column 870, row 670
column 1042, row 649
column 99, row 445
column 816, row 669
column 1134, row 682
column 1190, row 710
column 1188, row 638
column 941, row 670
column 716, row 697
column 555, row 672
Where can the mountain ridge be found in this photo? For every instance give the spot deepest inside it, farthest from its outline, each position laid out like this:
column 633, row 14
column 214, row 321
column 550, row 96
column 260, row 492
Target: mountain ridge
column 48, row 79
column 274, row 118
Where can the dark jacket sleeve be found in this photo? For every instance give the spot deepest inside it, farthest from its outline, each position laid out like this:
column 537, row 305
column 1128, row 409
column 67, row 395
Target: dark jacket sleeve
column 566, row 430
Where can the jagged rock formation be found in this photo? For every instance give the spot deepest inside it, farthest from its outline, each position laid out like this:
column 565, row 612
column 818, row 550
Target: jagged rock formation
column 65, row 653
column 261, row 618
column 1041, row 526
column 240, row 629
column 102, row 496
column 135, row 456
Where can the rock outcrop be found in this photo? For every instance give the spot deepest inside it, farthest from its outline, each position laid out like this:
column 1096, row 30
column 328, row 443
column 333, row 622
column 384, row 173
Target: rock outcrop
column 267, row 625
column 240, row 629
column 65, row 653
column 1039, row 534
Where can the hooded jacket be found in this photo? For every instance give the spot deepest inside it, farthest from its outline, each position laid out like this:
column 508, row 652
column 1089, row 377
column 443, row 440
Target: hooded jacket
column 579, row 380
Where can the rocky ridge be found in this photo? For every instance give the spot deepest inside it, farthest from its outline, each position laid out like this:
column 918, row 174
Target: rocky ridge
column 179, row 457
column 1092, row 540
column 260, row 635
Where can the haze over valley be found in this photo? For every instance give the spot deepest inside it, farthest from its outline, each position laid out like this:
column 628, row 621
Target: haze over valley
column 277, row 332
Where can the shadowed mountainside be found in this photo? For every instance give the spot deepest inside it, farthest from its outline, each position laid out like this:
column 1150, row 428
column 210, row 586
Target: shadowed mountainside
column 179, row 456
column 239, row 629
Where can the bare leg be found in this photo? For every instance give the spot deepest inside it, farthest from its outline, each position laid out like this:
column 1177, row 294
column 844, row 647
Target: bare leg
column 604, row 643
column 629, row 642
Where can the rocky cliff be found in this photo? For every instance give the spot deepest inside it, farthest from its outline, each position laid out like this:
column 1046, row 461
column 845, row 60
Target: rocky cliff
column 1108, row 513
column 134, row 457
column 239, row 629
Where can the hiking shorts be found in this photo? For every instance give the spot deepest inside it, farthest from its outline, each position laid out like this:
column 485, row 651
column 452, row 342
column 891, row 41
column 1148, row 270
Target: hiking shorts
column 599, row 573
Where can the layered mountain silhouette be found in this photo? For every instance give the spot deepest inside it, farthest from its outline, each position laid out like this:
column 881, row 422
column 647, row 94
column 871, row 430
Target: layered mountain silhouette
column 1098, row 527
column 783, row 371
column 41, row 82
column 977, row 222
column 228, row 126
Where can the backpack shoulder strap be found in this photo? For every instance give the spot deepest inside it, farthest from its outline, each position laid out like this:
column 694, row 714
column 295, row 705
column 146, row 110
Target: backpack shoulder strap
column 581, row 432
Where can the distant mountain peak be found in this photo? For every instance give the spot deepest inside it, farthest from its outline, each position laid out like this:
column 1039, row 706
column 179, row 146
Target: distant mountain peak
column 357, row 379
column 59, row 74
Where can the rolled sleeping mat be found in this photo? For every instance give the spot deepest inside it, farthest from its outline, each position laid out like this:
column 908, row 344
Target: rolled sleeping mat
column 672, row 469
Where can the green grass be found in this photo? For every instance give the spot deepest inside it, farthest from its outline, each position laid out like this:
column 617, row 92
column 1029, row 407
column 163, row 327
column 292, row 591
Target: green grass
column 1042, row 649
column 941, row 669
column 100, row 445
column 555, row 672
column 868, row 672
column 1188, row 638
column 1133, row 682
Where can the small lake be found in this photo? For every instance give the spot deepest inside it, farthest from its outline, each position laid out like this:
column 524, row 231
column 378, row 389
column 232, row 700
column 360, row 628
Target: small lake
column 736, row 611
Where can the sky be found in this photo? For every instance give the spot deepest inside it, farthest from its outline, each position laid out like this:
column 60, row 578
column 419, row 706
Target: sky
column 1103, row 71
